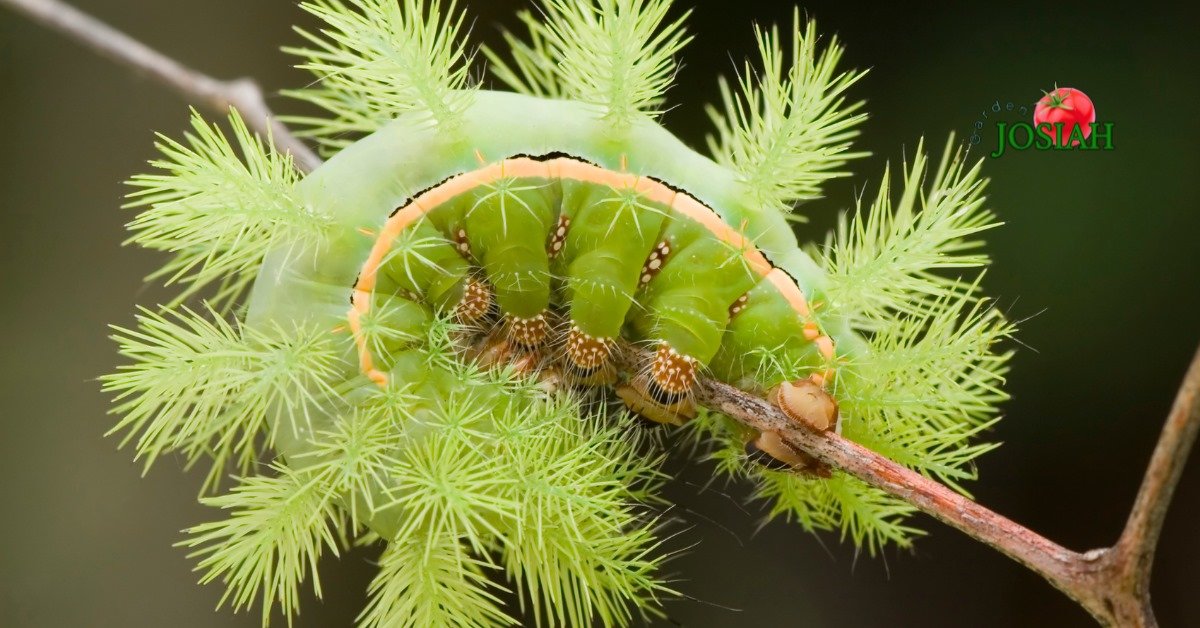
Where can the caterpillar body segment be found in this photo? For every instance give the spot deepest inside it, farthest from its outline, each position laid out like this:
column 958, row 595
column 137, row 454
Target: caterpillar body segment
column 687, row 304
column 421, row 261
column 505, row 220
column 762, row 337
column 611, row 232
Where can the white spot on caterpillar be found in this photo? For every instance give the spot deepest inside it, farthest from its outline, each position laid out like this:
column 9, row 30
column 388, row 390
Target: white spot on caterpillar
column 462, row 244
column 559, row 236
column 739, row 305
column 654, row 262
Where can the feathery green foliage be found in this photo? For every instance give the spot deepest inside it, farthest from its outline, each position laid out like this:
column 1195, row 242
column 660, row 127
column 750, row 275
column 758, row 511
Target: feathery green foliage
column 787, row 129
column 377, row 59
column 204, row 387
column 890, row 258
column 219, row 207
column 618, row 54
column 277, row 529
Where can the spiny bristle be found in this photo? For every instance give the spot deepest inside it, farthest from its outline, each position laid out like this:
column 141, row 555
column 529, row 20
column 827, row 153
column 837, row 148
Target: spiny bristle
column 942, row 369
column 788, row 128
column 377, row 59
column 433, row 581
column 277, row 529
column 892, row 258
column 219, row 207
column 550, row 491
column 617, row 54
column 199, row 385
column 448, row 488
column 355, row 459
column 533, row 70
column 867, row 516
column 605, row 560
column 475, row 481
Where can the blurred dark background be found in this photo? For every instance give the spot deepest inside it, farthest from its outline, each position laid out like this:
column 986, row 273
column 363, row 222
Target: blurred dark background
column 1097, row 258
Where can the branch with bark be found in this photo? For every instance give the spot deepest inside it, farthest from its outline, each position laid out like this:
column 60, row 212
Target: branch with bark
column 244, row 94
column 1111, row 583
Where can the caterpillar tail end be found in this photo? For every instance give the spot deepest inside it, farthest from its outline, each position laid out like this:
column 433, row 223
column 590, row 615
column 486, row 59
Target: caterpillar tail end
column 808, row 405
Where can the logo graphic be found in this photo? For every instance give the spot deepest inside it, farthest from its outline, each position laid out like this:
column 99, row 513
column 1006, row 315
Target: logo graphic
column 1064, row 119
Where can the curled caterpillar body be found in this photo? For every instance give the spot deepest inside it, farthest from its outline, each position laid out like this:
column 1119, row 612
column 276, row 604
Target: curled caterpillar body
column 609, row 262
column 432, row 327
column 576, row 236
column 628, row 256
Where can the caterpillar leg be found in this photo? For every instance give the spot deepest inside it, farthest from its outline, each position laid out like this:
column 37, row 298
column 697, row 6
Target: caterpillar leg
column 496, row 350
column 641, row 404
column 662, row 393
column 587, row 359
column 772, row 452
column 477, row 304
column 600, row 270
column 529, row 333
column 807, row 404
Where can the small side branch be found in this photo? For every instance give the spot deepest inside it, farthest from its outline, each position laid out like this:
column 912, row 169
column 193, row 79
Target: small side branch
column 243, row 94
column 1166, row 465
column 1133, row 555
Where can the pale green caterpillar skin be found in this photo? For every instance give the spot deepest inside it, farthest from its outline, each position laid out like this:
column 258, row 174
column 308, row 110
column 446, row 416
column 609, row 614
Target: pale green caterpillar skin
column 601, row 260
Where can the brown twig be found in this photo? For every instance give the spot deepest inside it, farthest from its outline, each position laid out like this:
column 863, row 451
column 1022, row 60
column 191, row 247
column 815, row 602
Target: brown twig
column 242, row 94
column 1111, row 583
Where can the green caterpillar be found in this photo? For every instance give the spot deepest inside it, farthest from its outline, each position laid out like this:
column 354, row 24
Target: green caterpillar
column 427, row 325
column 595, row 240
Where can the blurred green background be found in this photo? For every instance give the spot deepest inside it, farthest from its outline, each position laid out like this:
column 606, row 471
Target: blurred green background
column 1097, row 258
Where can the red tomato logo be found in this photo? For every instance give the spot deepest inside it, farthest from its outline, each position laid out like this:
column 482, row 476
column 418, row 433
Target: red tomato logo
column 1069, row 106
